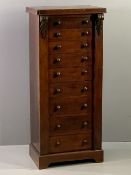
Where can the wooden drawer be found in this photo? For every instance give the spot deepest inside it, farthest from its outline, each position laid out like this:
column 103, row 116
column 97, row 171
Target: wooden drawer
column 69, row 60
column 70, row 22
column 70, row 143
column 70, row 89
column 70, row 74
column 70, row 34
column 69, row 106
column 70, row 46
column 70, row 125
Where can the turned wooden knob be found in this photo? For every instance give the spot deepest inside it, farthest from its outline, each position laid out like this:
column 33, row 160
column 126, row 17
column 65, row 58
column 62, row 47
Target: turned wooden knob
column 84, row 141
column 58, row 143
column 84, row 58
column 58, row 22
column 86, row 21
column 57, row 74
column 85, row 33
column 83, row 72
column 58, row 34
column 58, row 126
column 84, row 89
column 58, row 107
column 57, row 47
column 85, row 45
column 58, row 90
column 85, row 123
column 85, row 105
column 58, row 60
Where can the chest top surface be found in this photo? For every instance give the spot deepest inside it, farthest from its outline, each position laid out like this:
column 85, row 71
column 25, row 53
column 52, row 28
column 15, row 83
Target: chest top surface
column 63, row 10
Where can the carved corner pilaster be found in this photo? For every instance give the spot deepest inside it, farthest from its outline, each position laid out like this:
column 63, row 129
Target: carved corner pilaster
column 99, row 23
column 43, row 26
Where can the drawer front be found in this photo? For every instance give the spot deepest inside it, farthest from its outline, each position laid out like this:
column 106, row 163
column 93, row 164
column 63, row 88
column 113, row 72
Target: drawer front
column 70, row 74
column 70, row 34
column 69, row 60
column 70, row 22
column 69, row 106
column 70, row 46
column 71, row 89
column 70, row 125
column 70, row 143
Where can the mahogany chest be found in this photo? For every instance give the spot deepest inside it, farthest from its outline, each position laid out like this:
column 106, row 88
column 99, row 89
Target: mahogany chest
column 66, row 55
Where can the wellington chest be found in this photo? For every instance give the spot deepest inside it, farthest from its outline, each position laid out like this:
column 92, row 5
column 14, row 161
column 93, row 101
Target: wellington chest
column 66, row 55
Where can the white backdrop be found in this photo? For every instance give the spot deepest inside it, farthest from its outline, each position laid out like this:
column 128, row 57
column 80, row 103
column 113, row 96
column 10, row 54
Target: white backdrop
column 14, row 69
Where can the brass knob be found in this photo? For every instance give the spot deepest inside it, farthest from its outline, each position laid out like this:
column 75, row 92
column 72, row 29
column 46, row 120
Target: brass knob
column 84, row 58
column 58, row 47
column 58, row 126
column 57, row 74
column 85, row 45
column 84, row 141
column 84, row 33
column 85, row 123
column 86, row 21
column 83, row 72
column 58, row 107
column 57, row 22
column 58, row 143
column 85, row 105
column 58, row 34
column 84, row 89
column 58, row 90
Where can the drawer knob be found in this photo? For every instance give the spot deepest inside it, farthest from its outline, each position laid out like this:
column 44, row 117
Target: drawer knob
column 85, row 105
column 83, row 72
column 58, row 34
column 58, row 90
column 57, row 60
column 84, row 58
column 58, row 126
column 58, row 143
column 57, row 74
column 84, row 89
column 84, row 141
column 57, row 22
column 86, row 21
column 58, row 47
column 84, row 45
column 85, row 123
column 84, row 33
column 58, row 107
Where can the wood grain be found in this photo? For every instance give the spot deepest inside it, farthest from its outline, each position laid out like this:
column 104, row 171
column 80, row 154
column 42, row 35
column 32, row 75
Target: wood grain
column 70, row 125
column 34, row 80
column 70, row 34
column 70, row 74
column 98, row 70
column 70, row 143
column 69, row 106
column 66, row 84
column 44, row 101
column 68, row 47
column 68, row 10
column 70, row 59
column 72, row 89
column 66, row 22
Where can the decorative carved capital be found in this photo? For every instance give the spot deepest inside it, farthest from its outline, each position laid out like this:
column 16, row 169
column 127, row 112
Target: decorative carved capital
column 99, row 23
column 43, row 26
